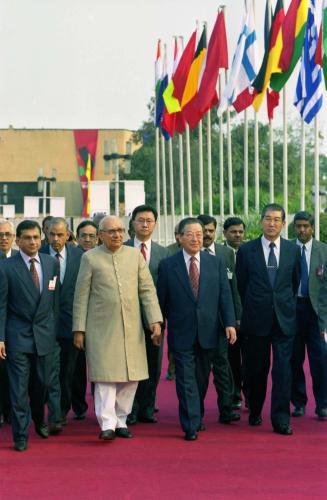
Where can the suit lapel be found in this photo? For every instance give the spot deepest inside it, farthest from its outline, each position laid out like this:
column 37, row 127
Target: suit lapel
column 204, row 273
column 260, row 259
column 25, row 277
column 182, row 275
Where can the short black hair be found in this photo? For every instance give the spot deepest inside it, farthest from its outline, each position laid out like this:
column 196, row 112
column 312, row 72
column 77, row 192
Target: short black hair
column 233, row 221
column 273, row 207
column 46, row 219
column 144, row 208
column 84, row 223
column 26, row 225
column 207, row 219
column 303, row 215
column 186, row 222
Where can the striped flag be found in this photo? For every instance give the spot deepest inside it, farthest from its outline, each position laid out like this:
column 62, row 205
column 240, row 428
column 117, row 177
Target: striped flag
column 308, row 94
column 169, row 119
column 321, row 54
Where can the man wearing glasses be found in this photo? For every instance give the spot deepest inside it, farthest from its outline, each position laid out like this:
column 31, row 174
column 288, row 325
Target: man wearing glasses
column 144, row 219
column 87, row 235
column 112, row 284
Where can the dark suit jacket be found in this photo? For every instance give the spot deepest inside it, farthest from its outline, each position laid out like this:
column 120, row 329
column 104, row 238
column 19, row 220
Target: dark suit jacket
column 228, row 256
column 67, row 290
column 28, row 319
column 158, row 253
column 190, row 319
column 259, row 299
column 3, row 255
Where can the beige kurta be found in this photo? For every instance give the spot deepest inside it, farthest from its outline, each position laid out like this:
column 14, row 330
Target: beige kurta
column 109, row 290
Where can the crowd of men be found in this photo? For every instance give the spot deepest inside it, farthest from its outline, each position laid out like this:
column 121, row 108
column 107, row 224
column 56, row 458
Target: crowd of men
column 99, row 303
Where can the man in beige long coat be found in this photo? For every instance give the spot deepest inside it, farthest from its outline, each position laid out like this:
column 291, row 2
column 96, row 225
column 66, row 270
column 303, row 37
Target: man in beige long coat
column 112, row 283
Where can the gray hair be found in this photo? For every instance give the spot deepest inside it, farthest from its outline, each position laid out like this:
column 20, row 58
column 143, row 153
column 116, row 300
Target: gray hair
column 5, row 221
column 59, row 220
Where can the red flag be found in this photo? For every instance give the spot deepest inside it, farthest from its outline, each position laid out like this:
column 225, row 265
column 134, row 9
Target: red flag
column 318, row 56
column 181, row 74
column 244, row 100
column 272, row 103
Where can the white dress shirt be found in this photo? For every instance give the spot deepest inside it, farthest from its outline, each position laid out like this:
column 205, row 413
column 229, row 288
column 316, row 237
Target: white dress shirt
column 147, row 248
column 62, row 259
column 266, row 248
column 187, row 259
column 211, row 250
column 308, row 249
column 26, row 258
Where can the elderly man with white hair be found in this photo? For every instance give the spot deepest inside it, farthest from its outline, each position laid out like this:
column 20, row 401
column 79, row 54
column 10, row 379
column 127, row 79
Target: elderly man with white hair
column 7, row 235
column 112, row 283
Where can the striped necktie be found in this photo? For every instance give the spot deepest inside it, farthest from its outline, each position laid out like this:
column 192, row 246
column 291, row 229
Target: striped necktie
column 33, row 271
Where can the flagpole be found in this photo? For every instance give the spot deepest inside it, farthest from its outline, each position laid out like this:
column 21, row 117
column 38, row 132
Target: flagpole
column 181, row 173
column 171, row 179
column 285, row 166
column 246, row 163
column 210, row 207
column 271, row 163
column 221, row 161
column 188, row 168
column 201, row 167
column 316, row 179
column 302, row 196
column 164, row 189
column 256, row 164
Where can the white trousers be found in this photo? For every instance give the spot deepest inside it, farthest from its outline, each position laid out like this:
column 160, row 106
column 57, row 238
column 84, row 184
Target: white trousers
column 113, row 402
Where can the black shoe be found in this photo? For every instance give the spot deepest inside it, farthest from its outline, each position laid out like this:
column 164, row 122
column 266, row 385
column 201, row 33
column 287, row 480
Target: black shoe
column 190, row 436
column 20, row 445
column 80, row 416
column 145, row 419
column 42, row 430
column 255, row 420
column 284, row 429
column 54, row 428
column 131, row 419
column 237, row 405
column 123, row 432
column 321, row 412
column 229, row 418
column 201, row 427
column 107, row 435
column 156, row 409
column 298, row 411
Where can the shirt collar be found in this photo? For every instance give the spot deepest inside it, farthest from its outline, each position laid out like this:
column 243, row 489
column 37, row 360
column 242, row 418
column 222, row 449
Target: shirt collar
column 138, row 243
column 212, row 249
column 266, row 242
column 308, row 244
column 62, row 254
column 26, row 258
column 188, row 257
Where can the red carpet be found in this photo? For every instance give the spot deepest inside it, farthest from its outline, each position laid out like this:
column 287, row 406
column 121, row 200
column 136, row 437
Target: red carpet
column 226, row 462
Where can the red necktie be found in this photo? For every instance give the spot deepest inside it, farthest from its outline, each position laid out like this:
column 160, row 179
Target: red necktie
column 194, row 277
column 35, row 276
column 143, row 252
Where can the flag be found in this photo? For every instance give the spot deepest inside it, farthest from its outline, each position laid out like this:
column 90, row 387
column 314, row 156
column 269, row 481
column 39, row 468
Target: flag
column 244, row 68
column 157, row 76
column 182, row 72
column 308, row 94
column 160, row 101
column 191, row 85
column 169, row 119
column 321, row 54
column 271, row 58
column 293, row 30
column 88, row 176
column 272, row 102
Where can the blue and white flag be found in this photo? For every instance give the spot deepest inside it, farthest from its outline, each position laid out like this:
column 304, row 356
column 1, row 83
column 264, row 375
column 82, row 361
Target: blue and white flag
column 309, row 90
column 244, row 66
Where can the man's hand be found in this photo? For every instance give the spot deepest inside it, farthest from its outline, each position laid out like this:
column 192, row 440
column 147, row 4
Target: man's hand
column 79, row 340
column 230, row 334
column 3, row 354
column 156, row 333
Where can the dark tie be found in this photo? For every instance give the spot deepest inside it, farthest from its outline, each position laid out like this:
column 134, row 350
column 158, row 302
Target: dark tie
column 194, row 277
column 35, row 276
column 304, row 289
column 143, row 252
column 58, row 257
column 272, row 264
column 207, row 250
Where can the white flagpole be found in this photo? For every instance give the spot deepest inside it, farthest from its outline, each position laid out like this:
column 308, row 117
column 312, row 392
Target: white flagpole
column 246, row 163
column 210, row 207
column 285, row 163
column 201, row 167
column 256, row 164
column 221, row 161
column 316, row 178
column 158, row 182
column 271, row 163
column 181, row 173
column 164, row 189
column 189, row 174
column 171, row 179
column 302, row 189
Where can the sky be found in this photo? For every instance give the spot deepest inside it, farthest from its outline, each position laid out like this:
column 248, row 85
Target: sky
column 90, row 63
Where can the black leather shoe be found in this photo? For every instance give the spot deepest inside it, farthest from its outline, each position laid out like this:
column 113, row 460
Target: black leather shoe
column 201, row 427
column 123, row 432
column 54, row 428
column 255, row 420
column 20, row 445
column 321, row 412
column 298, row 411
column 42, row 430
column 284, row 429
column 228, row 418
column 107, row 435
column 80, row 416
column 190, row 436
column 131, row 419
column 147, row 419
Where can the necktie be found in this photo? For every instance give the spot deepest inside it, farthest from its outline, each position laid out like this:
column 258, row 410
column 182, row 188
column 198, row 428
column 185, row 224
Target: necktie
column 272, row 264
column 194, row 277
column 304, row 274
column 58, row 257
column 207, row 250
column 143, row 252
column 33, row 271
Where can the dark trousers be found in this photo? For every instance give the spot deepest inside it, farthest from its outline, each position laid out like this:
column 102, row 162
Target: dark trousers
column 79, row 403
column 29, row 376
column 68, row 360
column 308, row 336
column 4, row 391
column 145, row 397
column 257, row 368
column 54, row 392
column 222, row 377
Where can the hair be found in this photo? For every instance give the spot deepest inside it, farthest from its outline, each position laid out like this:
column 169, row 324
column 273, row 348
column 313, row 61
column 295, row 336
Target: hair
column 304, row 216
column 233, row 221
column 144, row 208
column 186, row 222
column 25, row 225
column 59, row 220
column 273, row 207
column 45, row 220
column 207, row 219
column 72, row 237
column 85, row 223
column 5, row 221
column 109, row 217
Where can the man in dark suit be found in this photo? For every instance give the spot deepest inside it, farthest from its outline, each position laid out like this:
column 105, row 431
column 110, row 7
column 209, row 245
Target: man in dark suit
column 196, row 300
column 29, row 287
column 221, row 369
column 144, row 219
column 65, row 358
column 268, row 276
column 313, row 258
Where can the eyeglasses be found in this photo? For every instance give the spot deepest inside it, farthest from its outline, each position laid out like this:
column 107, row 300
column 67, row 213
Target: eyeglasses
column 90, row 236
column 111, row 232
column 142, row 221
column 197, row 236
column 5, row 235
